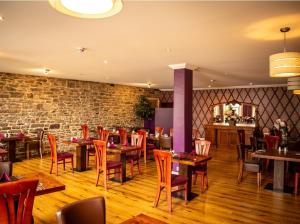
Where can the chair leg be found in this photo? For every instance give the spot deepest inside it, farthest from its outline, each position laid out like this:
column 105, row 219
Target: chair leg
column 195, row 179
column 202, row 183
column 64, row 164
column 145, row 156
column 139, row 167
column 98, row 175
column 258, row 179
column 40, row 150
column 131, row 168
column 56, row 168
column 51, row 167
column 241, row 170
column 169, row 198
column 296, row 182
column 159, row 189
column 105, row 177
column 72, row 164
column 120, row 176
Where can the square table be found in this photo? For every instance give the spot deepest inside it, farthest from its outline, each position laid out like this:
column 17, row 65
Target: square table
column 279, row 158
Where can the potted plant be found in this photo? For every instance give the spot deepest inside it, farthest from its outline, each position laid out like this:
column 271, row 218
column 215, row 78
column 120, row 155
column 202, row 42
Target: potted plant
column 143, row 109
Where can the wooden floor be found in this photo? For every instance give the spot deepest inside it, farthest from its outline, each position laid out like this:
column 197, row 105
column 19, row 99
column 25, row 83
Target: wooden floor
column 224, row 202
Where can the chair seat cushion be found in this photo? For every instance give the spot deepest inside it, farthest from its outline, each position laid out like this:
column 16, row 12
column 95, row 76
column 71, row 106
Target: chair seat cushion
column 252, row 165
column 132, row 157
column 177, row 180
column 113, row 164
column 64, row 155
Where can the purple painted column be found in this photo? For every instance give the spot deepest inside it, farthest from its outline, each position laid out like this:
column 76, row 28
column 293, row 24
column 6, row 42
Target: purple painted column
column 182, row 115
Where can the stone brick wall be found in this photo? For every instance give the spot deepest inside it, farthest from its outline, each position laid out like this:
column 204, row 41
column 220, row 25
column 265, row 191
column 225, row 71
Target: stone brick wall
column 60, row 106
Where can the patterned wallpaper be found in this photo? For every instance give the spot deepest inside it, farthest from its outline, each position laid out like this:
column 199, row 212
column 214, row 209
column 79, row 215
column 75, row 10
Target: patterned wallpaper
column 273, row 103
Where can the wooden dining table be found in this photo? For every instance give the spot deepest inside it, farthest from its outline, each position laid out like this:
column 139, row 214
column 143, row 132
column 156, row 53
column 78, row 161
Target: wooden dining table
column 81, row 149
column 187, row 162
column 11, row 145
column 122, row 150
column 279, row 158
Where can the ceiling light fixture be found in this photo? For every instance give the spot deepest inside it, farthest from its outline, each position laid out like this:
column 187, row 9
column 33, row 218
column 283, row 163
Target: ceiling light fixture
column 46, row 71
column 81, row 49
column 1, row 18
column 88, row 9
column 297, row 92
column 149, row 84
column 286, row 64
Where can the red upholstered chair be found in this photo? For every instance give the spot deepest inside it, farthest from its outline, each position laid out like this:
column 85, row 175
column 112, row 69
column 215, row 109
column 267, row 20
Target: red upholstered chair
column 159, row 130
column 23, row 192
column 134, row 157
column 58, row 157
column 85, row 132
column 144, row 143
column 104, row 165
column 90, row 151
column 123, row 136
column 297, row 175
column 195, row 134
column 202, row 148
column 166, row 179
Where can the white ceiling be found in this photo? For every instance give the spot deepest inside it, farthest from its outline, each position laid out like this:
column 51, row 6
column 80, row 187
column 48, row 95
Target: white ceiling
column 228, row 41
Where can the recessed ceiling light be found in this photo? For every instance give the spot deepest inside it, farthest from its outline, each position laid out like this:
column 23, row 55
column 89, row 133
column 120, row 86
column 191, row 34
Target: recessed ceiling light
column 105, row 62
column 168, row 49
column 46, row 71
column 212, row 80
column 209, row 86
column 1, row 18
column 81, row 49
column 250, row 83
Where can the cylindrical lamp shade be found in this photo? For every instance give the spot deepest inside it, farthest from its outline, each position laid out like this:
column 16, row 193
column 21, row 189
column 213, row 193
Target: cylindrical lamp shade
column 286, row 64
column 297, row 91
column 293, row 83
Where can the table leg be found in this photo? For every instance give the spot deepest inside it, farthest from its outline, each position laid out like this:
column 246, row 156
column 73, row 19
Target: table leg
column 81, row 158
column 11, row 151
column 124, row 162
column 27, row 149
column 278, row 178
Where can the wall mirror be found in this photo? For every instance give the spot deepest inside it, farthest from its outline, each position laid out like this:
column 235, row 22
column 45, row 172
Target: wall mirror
column 233, row 111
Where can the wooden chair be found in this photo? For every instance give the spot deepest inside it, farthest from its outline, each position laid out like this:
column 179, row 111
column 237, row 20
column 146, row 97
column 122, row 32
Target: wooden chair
column 90, row 150
column 58, row 157
column 104, row 165
column 16, row 201
column 297, row 175
column 272, row 143
column 85, row 132
column 202, row 148
column 123, row 136
column 91, row 211
column 3, row 153
column 159, row 130
column 251, row 165
column 133, row 158
column 266, row 131
column 144, row 143
column 195, row 134
column 99, row 129
column 104, row 135
column 171, row 132
column 163, row 160
column 165, row 142
column 38, row 142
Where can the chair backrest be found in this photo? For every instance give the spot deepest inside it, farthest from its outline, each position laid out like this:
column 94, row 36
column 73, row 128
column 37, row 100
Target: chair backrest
column 85, row 132
column 100, row 148
column 20, row 194
column 171, row 132
column 137, row 140
column 165, row 142
column 40, row 134
column 266, row 131
column 99, row 129
column 91, row 211
column 123, row 135
column 159, row 130
column 195, row 133
column 163, row 160
column 202, row 147
column 53, row 149
column 241, row 137
column 104, row 135
column 144, row 134
column 272, row 142
column 6, row 167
